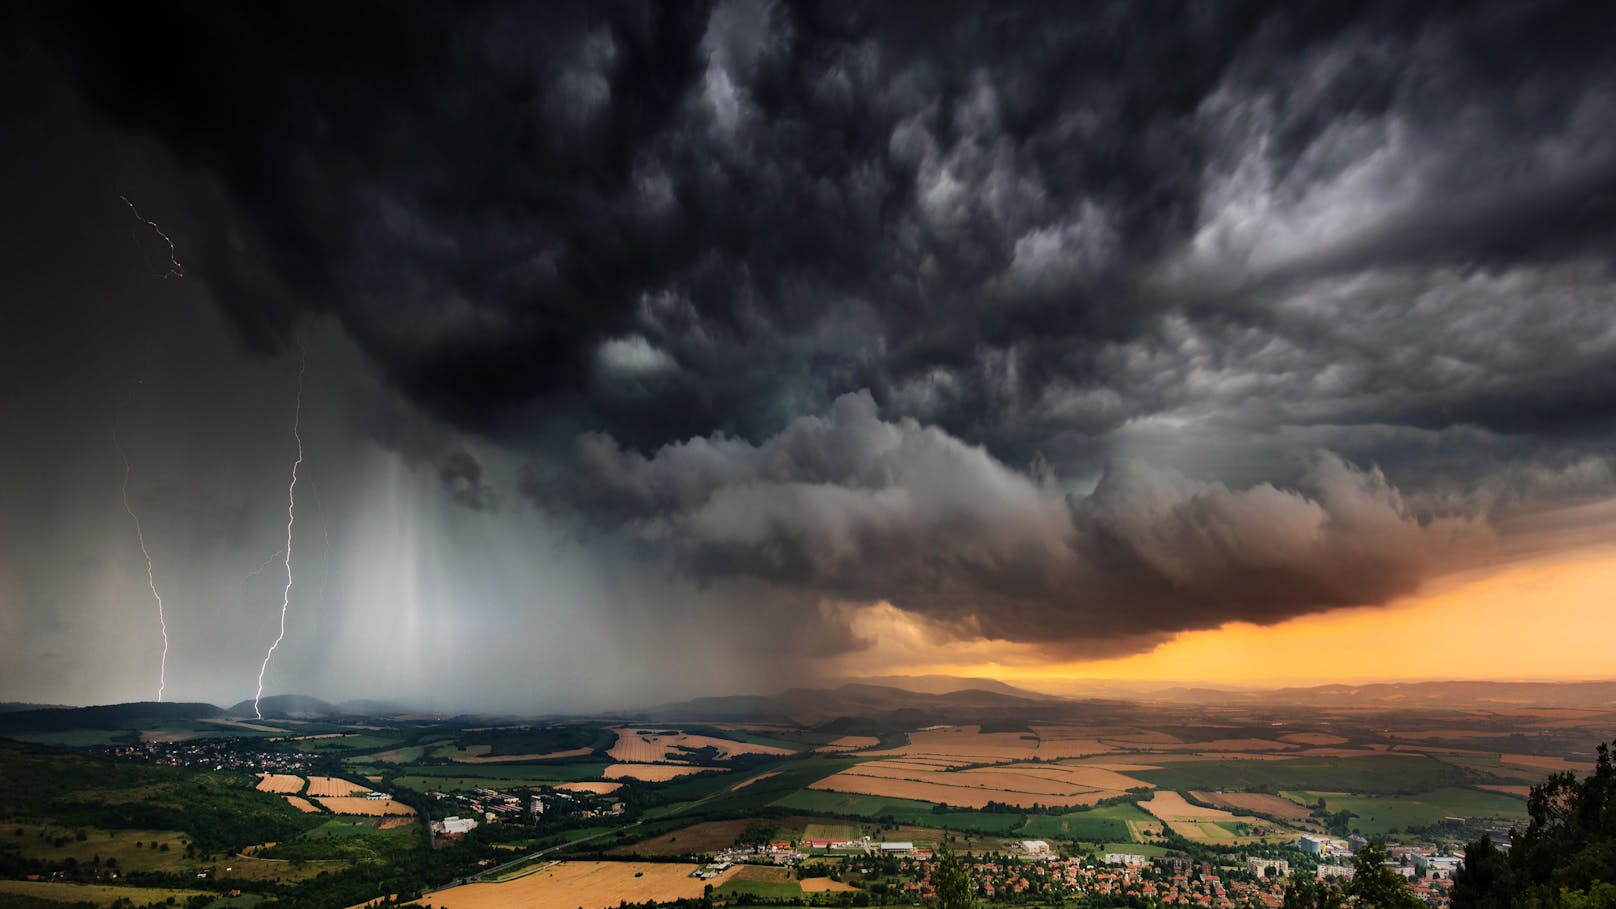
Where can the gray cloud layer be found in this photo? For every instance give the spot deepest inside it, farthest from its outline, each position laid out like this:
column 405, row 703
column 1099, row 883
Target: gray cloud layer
column 852, row 507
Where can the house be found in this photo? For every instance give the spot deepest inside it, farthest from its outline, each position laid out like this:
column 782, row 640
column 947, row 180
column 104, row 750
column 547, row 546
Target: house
column 1035, row 847
column 897, row 848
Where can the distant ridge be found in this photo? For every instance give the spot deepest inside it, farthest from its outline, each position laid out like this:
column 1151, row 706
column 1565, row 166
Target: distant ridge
column 944, row 684
column 891, row 705
column 297, row 706
column 137, row 715
column 1412, row 695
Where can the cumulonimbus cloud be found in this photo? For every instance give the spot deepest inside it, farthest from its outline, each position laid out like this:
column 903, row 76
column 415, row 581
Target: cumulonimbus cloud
column 857, row 508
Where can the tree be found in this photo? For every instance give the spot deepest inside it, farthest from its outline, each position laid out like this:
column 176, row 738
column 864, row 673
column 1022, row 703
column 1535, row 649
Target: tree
column 1310, row 894
column 1565, row 857
column 953, row 884
column 1484, row 882
column 1376, row 885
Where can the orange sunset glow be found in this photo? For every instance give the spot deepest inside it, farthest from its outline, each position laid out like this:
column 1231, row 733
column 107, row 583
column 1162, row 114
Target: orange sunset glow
column 1535, row 618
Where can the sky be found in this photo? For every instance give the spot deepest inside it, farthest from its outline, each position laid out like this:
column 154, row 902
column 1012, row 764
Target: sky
column 647, row 350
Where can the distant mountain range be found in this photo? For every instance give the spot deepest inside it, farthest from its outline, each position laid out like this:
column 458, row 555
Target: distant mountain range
column 1412, row 695
column 887, row 704
column 152, row 714
column 944, row 684
column 883, row 703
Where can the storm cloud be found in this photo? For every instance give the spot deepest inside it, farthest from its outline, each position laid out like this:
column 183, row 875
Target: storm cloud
column 855, row 508
column 1075, row 327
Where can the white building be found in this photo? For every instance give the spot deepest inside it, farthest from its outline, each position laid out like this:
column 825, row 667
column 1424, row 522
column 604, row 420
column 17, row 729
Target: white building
column 1035, row 847
column 1438, row 865
column 1341, row 871
column 897, row 848
column 1126, row 858
column 455, row 826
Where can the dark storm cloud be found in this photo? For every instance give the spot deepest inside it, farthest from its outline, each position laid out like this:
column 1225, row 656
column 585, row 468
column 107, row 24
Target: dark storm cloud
column 782, row 203
column 810, row 284
column 462, row 476
column 852, row 507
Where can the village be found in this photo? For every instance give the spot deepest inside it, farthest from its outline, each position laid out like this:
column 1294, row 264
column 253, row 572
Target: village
column 1035, row 871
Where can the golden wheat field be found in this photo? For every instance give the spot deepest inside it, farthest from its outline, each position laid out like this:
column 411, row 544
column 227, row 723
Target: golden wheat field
column 961, row 796
column 850, row 743
column 357, row 805
column 301, row 804
column 1272, row 805
column 279, row 782
column 585, row 885
column 333, row 787
column 654, row 773
column 824, row 885
column 650, row 746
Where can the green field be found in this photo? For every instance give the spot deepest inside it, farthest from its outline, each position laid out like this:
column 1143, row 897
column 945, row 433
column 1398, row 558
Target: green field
column 360, row 741
column 427, row 777
column 1109, row 822
column 903, row 811
column 1381, row 814
column 347, row 828
column 832, row 832
column 217, row 811
column 763, row 889
column 1134, row 849
column 97, row 894
column 1388, row 774
column 521, row 741
column 73, row 738
column 45, row 842
column 405, row 755
column 1495, row 770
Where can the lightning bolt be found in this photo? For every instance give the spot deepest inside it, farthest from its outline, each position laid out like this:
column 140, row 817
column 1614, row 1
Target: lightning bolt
column 151, row 575
column 175, row 269
column 291, row 515
column 262, row 565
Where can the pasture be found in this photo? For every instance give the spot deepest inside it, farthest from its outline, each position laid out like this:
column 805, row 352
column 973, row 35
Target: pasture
column 97, row 894
column 1121, row 822
column 1383, row 774
column 1379, row 815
